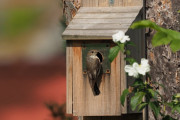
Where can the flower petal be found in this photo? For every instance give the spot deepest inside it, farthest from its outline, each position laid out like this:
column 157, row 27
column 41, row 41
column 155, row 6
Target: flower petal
column 120, row 37
column 144, row 61
column 143, row 68
column 131, row 71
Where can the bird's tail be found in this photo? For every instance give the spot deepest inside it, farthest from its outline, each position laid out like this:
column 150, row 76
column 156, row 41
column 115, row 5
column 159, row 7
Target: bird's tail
column 96, row 89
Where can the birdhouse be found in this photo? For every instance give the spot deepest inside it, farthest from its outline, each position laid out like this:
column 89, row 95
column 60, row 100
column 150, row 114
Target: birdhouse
column 94, row 85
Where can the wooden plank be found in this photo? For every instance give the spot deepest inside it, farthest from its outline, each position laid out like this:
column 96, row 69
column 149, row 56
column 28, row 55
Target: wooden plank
column 124, row 20
column 95, row 3
column 117, row 76
column 105, row 15
column 77, row 76
column 105, row 3
column 123, row 82
column 89, row 34
column 69, row 77
column 87, row 37
column 84, row 102
column 90, row 3
column 132, row 2
column 118, row 3
column 110, row 9
column 98, row 26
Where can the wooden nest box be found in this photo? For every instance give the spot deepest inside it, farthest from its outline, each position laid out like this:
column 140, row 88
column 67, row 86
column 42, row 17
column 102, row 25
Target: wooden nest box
column 92, row 29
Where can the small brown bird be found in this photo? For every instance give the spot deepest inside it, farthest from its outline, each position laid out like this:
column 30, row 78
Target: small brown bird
column 94, row 65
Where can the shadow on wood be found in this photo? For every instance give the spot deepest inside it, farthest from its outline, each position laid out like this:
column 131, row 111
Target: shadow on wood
column 137, row 116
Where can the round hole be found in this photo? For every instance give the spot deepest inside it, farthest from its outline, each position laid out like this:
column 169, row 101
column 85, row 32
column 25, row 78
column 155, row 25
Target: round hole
column 99, row 55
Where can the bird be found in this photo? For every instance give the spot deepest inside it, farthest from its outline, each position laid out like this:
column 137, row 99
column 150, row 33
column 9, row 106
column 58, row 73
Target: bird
column 94, row 66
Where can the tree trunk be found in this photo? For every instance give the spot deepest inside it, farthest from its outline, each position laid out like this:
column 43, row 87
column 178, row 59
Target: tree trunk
column 70, row 8
column 165, row 65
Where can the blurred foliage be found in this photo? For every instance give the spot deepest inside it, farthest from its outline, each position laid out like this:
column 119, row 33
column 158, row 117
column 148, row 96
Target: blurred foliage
column 58, row 111
column 31, row 30
column 14, row 21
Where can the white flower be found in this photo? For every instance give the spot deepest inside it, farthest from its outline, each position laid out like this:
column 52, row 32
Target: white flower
column 144, row 67
column 131, row 70
column 120, row 37
column 136, row 69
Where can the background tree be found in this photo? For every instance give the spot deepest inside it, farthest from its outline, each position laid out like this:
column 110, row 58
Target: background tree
column 165, row 65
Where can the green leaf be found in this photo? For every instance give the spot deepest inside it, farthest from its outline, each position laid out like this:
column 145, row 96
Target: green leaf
column 142, row 106
column 113, row 53
column 175, row 45
column 160, row 38
column 123, row 96
column 174, row 36
column 177, row 95
column 144, row 24
column 136, row 100
column 170, row 104
column 130, row 60
column 172, row 33
column 153, row 93
column 137, row 82
column 178, row 11
column 176, row 108
column 155, row 108
column 121, row 46
column 175, row 101
column 130, row 43
column 127, row 52
column 163, row 36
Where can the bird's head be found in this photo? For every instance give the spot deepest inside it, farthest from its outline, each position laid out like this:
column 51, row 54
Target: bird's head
column 95, row 54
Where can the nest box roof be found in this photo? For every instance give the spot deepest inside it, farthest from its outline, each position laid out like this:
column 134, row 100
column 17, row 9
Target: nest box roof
column 92, row 23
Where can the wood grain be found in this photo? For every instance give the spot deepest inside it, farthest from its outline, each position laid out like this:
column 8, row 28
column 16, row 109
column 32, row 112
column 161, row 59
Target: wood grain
column 89, row 34
column 84, row 102
column 92, row 32
column 108, row 21
column 98, row 23
column 69, row 77
column 123, row 81
column 128, row 9
column 105, row 15
column 106, row 3
column 102, row 24
column 98, row 26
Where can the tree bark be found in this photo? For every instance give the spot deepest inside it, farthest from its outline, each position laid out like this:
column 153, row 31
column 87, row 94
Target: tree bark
column 165, row 65
column 70, row 8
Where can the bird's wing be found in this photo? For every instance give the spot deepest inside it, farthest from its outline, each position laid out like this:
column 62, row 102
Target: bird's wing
column 98, row 68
